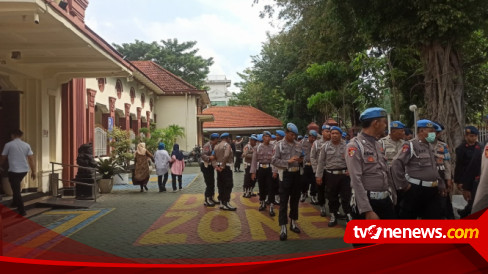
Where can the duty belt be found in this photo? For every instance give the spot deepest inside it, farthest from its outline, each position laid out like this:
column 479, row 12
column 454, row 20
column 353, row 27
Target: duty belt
column 221, row 164
column 337, row 172
column 378, row 195
column 264, row 165
column 293, row 169
column 441, row 167
column 308, row 164
column 421, row 183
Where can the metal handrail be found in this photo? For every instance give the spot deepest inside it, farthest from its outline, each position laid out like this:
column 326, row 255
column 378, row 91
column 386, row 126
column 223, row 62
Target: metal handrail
column 94, row 173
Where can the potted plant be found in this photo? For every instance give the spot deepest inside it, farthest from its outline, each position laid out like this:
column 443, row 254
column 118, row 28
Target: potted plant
column 121, row 152
column 107, row 168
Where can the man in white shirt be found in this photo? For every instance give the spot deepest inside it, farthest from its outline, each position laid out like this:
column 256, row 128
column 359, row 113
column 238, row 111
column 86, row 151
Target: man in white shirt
column 20, row 157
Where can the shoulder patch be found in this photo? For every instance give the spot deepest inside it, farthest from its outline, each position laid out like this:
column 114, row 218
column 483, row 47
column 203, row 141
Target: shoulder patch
column 351, row 151
column 405, row 148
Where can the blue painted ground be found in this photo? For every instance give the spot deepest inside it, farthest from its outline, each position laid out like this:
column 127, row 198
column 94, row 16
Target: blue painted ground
column 153, row 183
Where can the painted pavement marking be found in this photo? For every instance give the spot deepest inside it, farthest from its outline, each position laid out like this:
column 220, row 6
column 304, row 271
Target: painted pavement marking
column 43, row 239
column 187, row 221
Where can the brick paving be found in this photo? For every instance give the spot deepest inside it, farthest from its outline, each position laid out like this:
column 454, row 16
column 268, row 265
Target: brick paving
column 176, row 227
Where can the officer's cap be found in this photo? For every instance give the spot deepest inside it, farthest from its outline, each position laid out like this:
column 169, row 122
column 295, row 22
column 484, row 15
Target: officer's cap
column 224, row 135
column 397, row 125
column 280, row 132
column 336, row 128
column 273, row 136
column 326, row 127
column 313, row 133
column 214, row 136
column 425, row 124
column 300, row 137
column 254, row 137
column 471, row 130
column 291, row 127
column 372, row 113
column 238, row 137
column 267, row 133
column 437, row 127
column 344, row 134
column 306, row 136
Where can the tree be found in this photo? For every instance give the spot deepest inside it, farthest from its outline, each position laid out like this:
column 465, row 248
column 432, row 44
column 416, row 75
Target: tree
column 167, row 135
column 179, row 58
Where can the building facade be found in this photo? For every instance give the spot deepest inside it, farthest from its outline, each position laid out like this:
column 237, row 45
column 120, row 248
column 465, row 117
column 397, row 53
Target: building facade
column 218, row 93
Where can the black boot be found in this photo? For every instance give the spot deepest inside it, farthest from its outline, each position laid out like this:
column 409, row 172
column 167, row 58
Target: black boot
column 208, row 202
column 262, row 206
column 294, row 227
column 271, row 211
column 227, row 206
column 332, row 220
column 212, row 200
column 283, row 235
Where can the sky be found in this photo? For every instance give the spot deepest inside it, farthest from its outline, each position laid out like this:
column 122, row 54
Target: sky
column 230, row 31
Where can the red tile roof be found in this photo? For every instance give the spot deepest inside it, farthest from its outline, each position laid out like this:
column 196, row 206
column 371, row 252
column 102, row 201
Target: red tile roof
column 167, row 81
column 240, row 117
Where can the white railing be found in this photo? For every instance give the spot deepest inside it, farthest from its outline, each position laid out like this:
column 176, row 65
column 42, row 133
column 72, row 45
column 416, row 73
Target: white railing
column 483, row 136
column 100, row 142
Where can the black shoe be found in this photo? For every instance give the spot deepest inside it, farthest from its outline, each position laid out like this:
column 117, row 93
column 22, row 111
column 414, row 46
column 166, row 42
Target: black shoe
column 253, row 194
column 283, row 235
column 208, row 202
column 262, row 206
column 295, row 228
column 212, row 200
column 323, row 213
column 227, row 206
column 271, row 212
column 145, row 187
column 332, row 221
column 303, row 197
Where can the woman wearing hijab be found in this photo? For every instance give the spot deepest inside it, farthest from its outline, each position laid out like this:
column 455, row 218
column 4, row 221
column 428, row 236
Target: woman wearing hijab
column 161, row 160
column 177, row 166
column 141, row 173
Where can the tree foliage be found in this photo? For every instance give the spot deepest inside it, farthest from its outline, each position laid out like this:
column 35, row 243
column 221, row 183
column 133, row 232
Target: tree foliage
column 153, row 136
column 182, row 59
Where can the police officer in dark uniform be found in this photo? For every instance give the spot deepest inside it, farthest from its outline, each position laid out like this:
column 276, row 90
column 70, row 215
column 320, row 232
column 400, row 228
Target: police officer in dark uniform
column 414, row 170
column 308, row 177
column 464, row 155
column 287, row 158
column 262, row 170
column 247, row 154
column 239, row 145
column 208, row 170
column 223, row 163
column 368, row 171
column 443, row 160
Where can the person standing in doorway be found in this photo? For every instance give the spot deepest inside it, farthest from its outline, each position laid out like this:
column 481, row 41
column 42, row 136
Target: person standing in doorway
column 177, row 167
column 161, row 161
column 20, row 158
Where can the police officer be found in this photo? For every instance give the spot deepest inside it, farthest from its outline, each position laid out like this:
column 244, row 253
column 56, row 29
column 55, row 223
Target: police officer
column 481, row 197
column 208, row 170
column 247, row 154
column 368, row 170
column 308, row 177
column 464, row 156
column 415, row 172
column 280, row 134
column 314, row 157
column 443, row 161
column 331, row 158
column 262, row 170
column 239, row 144
column 223, row 163
column 287, row 158
column 394, row 141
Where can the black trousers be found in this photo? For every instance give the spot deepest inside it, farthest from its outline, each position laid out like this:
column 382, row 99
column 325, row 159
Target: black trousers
column 238, row 161
column 338, row 185
column 173, row 181
column 308, row 181
column 209, row 177
column 290, row 189
column 423, row 202
column 225, row 182
column 248, row 182
column 15, row 181
column 321, row 190
column 383, row 208
column 161, row 182
column 265, row 181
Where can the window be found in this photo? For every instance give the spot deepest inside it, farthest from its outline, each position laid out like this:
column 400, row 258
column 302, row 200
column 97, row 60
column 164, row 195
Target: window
column 118, row 88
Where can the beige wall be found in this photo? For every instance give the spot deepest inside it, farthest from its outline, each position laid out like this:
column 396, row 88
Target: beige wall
column 182, row 111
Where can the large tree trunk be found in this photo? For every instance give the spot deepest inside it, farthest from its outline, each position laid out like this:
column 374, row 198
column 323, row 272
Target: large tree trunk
column 444, row 90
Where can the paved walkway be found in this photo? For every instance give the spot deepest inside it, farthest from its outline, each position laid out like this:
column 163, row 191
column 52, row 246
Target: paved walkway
column 176, row 227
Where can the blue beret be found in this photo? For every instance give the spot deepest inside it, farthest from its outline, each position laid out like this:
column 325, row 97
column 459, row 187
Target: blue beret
column 313, row 133
column 336, row 128
column 344, row 134
column 291, row 127
column 254, row 137
column 273, row 136
column 471, row 130
column 300, row 137
column 397, row 125
column 280, row 132
column 267, row 133
column 238, row 137
column 327, row 127
column 224, row 135
column 260, row 137
column 214, row 136
column 437, row 127
column 425, row 124
column 372, row 113
column 306, row 136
